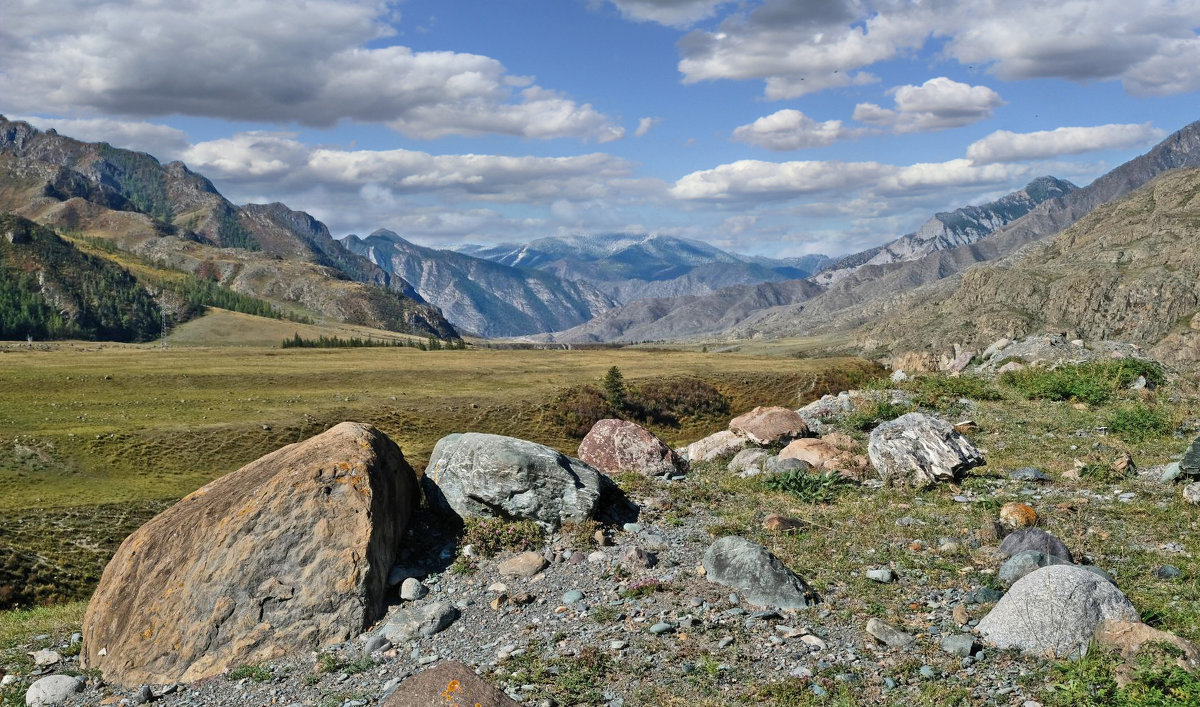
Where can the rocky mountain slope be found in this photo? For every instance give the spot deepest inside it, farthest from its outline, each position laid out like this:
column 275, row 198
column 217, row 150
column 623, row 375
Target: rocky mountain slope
column 659, row 318
column 948, row 230
column 1128, row 271
column 629, row 268
column 485, row 297
column 871, row 290
column 177, row 219
column 50, row 290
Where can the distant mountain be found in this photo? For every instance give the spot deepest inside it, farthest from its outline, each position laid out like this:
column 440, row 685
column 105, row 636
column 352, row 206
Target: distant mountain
column 50, row 290
column 629, row 268
column 482, row 296
column 1129, row 270
column 177, row 219
column 872, row 290
column 944, row 231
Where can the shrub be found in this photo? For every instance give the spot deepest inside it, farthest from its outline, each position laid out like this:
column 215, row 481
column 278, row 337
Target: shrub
column 577, row 409
column 1139, row 422
column 943, row 391
column 644, row 588
column 491, row 535
column 808, row 487
column 614, row 388
column 1095, row 382
column 669, row 401
column 256, row 673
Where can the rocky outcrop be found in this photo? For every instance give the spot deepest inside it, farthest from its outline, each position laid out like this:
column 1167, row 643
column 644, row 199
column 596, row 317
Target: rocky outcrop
column 289, row 553
column 1055, row 611
column 752, row 570
column 919, row 450
column 769, row 425
column 484, row 475
column 617, row 446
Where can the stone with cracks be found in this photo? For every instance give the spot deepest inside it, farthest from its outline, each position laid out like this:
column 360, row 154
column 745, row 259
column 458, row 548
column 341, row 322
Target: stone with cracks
column 616, row 446
column 1024, row 562
column 769, row 425
column 52, row 690
column 757, row 574
column 406, row 625
column 1055, row 611
column 287, row 554
column 748, row 462
column 715, row 445
column 1034, row 539
column 919, row 450
column 484, row 475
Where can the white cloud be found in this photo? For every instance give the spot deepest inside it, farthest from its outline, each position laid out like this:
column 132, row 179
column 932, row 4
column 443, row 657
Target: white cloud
column 755, row 180
column 673, row 13
column 798, row 48
column 645, row 125
column 1005, row 146
column 309, row 62
column 937, row 104
column 792, row 130
column 256, row 160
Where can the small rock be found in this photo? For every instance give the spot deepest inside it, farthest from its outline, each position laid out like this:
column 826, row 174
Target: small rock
column 378, row 644
column 888, row 634
column 1167, row 572
column 960, row 614
column 1191, row 493
column 1018, row 515
column 617, row 645
column 406, row 625
column 45, row 658
column 601, row 539
column 960, row 644
column 1029, row 474
column 1025, row 562
column 1034, row 539
column 927, row 672
column 572, row 596
column 983, row 595
column 52, row 690
column 634, row 557
column 814, row 641
column 144, row 695
column 777, row 524
column 412, row 589
column 661, row 627
column 525, row 564
column 883, row 576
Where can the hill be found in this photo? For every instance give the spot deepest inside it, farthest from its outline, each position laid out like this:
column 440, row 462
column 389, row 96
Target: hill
column 177, row 219
column 1127, row 271
column 51, row 290
column 485, row 297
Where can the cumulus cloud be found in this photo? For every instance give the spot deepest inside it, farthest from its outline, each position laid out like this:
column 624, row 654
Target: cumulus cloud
column 792, row 130
column 1005, row 146
column 937, row 104
column 673, row 13
column 256, row 160
column 755, row 180
column 314, row 63
column 645, row 125
column 798, row 48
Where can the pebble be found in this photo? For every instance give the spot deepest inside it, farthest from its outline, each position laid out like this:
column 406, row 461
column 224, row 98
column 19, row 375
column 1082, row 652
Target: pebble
column 927, row 672
column 572, row 596
column 632, row 527
column 1168, row 572
column 411, row 589
column 617, row 645
column 661, row 627
column 883, row 576
column 959, row 644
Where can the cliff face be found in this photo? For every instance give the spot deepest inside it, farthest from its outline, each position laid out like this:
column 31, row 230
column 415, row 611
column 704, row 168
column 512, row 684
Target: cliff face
column 1129, row 271
column 178, row 219
column 482, row 296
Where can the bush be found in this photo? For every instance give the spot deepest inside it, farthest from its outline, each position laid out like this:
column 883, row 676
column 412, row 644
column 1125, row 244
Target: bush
column 577, row 409
column 669, row 401
column 943, row 391
column 808, row 487
column 1139, row 422
column 491, row 535
column 1094, row 383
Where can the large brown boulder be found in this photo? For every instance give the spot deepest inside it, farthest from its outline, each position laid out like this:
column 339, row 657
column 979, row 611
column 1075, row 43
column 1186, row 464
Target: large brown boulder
column 770, row 425
column 615, row 446
column 288, row 553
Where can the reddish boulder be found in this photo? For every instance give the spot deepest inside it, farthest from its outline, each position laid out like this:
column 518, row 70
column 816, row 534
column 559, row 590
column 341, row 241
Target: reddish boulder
column 770, row 425
column 616, row 446
column 447, row 684
column 287, row 554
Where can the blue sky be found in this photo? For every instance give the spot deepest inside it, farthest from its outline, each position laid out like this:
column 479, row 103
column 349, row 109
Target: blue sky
column 767, row 126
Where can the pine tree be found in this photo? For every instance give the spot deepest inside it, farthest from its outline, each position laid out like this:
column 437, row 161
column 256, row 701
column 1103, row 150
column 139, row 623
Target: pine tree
column 614, row 388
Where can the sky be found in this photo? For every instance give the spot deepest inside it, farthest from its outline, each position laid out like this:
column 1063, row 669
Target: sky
column 767, row 127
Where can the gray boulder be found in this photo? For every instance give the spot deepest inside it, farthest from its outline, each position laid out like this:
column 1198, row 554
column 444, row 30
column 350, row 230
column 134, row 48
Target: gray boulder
column 483, row 475
column 748, row 462
column 420, row 621
column 1025, row 562
column 757, row 574
column 919, row 450
column 781, row 465
column 1055, row 611
column 1034, row 539
column 52, row 690
column 1189, row 466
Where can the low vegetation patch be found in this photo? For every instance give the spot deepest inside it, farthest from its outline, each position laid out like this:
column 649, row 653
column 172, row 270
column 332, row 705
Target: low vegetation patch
column 488, row 536
column 804, row 485
column 1094, row 383
column 870, row 415
column 354, row 342
column 940, row 392
column 1139, row 422
column 667, row 402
